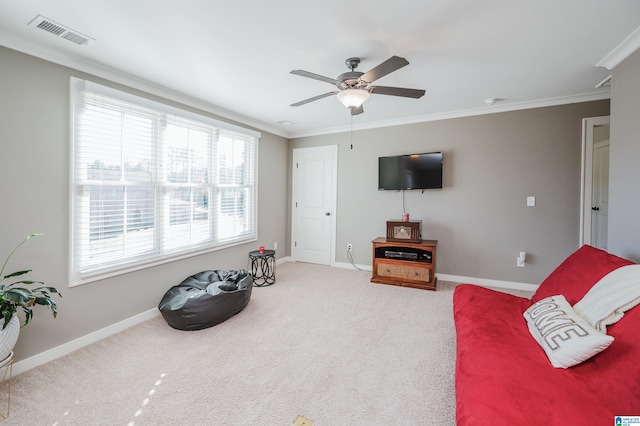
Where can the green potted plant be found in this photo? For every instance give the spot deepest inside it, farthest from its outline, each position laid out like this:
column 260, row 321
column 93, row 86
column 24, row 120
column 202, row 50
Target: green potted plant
column 16, row 295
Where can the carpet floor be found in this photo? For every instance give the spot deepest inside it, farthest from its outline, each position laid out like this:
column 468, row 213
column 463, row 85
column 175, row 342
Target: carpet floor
column 323, row 343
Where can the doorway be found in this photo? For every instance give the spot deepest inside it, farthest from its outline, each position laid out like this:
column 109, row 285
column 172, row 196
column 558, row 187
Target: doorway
column 313, row 219
column 595, row 182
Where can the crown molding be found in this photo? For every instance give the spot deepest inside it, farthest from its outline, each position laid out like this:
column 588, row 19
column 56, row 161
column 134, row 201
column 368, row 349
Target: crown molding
column 133, row 82
column 621, row 51
column 504, row 107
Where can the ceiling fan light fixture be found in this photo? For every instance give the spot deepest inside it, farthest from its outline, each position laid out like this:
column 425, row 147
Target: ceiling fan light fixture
column 353, row 98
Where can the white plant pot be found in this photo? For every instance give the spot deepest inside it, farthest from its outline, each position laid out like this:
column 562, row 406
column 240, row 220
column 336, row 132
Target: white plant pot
column 9, row 337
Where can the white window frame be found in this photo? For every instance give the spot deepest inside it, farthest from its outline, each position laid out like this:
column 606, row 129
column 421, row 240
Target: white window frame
column 82, row 270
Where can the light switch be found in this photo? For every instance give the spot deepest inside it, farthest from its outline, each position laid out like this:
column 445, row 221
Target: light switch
column 531, row 201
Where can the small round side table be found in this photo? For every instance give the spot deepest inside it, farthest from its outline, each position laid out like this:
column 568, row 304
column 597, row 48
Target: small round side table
column 263, row 267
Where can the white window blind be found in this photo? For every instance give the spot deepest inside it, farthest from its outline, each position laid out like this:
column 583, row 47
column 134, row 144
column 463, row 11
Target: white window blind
column 151, row 183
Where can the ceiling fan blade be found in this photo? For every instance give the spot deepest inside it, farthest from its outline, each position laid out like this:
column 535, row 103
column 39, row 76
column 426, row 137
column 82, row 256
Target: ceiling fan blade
column 315, row 98
column 397, row 91
column 387, row 67
column 356, row 111
column 308, row 74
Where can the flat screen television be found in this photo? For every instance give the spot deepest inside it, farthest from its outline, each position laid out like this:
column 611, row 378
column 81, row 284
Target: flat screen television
column 412, row 171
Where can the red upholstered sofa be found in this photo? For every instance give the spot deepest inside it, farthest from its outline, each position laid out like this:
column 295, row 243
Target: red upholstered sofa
column 503, row 377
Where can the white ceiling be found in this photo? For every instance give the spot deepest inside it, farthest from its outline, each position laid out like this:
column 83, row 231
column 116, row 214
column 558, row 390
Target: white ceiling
column 233, row 57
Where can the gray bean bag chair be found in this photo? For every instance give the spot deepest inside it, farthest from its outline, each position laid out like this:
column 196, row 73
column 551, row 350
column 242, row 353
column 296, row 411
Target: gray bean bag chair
column 206, row 299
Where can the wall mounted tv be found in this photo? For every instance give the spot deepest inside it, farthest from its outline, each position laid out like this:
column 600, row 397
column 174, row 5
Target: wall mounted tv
column 413, row 171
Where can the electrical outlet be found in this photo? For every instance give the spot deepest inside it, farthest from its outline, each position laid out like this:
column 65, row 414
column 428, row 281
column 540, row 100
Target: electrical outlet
column 349, row 247
column 275, row 245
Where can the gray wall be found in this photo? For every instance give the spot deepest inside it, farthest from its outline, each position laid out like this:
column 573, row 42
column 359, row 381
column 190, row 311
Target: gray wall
column 34, row 170
column 480, row 218
column 492, row 163
column 624, row 178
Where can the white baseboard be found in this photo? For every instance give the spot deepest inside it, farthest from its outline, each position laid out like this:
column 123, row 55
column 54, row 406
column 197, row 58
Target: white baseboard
column 457, row 278
column 283, row 260
column 80, row 342
column 350, row 266
column 487, row 282
column 66, row 348
column 342, row 265
column 484, row 282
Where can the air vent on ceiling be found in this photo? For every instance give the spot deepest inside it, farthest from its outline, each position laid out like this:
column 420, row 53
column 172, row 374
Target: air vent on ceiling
column 59, row 30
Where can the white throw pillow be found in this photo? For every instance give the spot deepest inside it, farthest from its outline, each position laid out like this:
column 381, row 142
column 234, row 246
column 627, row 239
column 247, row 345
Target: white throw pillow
column 566, row 338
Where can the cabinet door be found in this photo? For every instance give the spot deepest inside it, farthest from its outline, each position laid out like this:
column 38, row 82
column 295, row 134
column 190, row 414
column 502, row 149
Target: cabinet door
column 404, row 272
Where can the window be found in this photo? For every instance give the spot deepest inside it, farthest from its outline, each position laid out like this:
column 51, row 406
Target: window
column 151, row 183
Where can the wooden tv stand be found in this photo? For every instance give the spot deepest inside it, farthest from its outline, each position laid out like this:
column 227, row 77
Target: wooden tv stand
column 404, row 264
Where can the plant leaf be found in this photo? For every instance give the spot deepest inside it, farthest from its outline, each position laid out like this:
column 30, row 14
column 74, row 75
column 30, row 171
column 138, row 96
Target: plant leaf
column 27, row 282
column 46, row 300
column 49, row 289
column 16, row 274
column 28, row 314
column 15, row 295
column 19, row 296
column 7, row 317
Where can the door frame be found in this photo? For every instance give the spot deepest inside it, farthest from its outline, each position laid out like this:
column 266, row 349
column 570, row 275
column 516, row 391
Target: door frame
column 333, row 149
column 586, row 179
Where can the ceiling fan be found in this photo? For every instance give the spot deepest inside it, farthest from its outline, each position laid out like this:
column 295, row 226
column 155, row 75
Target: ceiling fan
column 354, row 86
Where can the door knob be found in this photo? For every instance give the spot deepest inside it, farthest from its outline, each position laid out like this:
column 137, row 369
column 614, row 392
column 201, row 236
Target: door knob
column 595, row 209
column 327, row 214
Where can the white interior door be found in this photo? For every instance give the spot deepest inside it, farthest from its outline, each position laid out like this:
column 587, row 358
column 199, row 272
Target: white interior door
column 313, row 221
column 594, row 195
column 600, row 195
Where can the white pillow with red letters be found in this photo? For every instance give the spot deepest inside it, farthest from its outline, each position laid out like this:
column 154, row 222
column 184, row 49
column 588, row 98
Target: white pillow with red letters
column 567, row 338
